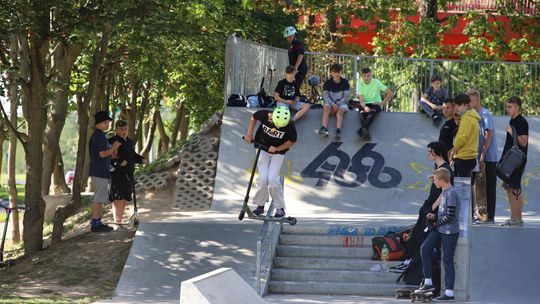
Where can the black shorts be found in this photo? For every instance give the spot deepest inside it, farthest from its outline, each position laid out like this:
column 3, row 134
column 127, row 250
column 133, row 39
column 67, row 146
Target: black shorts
column 121, row 187
column 514, row 182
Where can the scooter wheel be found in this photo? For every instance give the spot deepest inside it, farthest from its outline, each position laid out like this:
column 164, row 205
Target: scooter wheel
column 241, row 216
column 292, row 221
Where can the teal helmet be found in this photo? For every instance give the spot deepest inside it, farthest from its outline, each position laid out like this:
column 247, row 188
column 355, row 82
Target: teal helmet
column 281, row 116
column 289, row 31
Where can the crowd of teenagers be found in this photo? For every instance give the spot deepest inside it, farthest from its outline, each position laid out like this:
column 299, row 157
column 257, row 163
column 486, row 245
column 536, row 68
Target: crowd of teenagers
column 467, row 147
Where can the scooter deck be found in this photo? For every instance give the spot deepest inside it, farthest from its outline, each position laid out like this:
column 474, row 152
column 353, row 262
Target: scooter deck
column 132, row 222
column 288, row 220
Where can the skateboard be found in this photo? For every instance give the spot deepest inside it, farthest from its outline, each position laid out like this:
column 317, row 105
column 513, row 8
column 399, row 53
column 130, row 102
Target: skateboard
column 423, row 297
column 480, row 200
column 245, row 208
column 404, row 293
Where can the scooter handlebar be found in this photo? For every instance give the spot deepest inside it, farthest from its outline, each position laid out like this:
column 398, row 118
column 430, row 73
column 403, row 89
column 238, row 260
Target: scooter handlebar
column 257, row 145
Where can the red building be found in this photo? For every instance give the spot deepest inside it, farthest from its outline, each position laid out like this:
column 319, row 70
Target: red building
column 455, row 36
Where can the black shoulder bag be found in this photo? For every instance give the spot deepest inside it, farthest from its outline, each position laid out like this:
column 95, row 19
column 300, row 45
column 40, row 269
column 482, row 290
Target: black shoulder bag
column 514, row 159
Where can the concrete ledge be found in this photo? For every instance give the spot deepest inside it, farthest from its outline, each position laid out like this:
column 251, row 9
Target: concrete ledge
column 223, row 285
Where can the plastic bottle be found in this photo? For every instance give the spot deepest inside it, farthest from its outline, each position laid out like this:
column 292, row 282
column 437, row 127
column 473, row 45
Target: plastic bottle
column 384, row 258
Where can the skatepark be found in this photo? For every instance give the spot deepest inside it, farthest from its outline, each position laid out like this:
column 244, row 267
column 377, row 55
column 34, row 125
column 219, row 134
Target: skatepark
column 385, row 190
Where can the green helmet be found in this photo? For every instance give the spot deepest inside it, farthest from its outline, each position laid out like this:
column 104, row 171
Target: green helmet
column 281, row 116
column 289, row 31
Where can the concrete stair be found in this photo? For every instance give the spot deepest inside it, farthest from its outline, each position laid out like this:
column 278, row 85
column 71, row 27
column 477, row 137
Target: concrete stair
column 321, row 260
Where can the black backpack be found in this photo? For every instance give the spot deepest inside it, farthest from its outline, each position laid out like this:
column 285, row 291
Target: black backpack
column 413, row 274
column 236, row 100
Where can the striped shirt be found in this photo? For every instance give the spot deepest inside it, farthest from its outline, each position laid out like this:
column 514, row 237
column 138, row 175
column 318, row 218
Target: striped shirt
column 448, row 216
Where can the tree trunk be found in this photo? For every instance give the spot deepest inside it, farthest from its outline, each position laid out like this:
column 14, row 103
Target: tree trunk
column 132, row 108
column 84, row 120
column 150, row 136
column 140, row 116
column 2, row 138
column 12, row 184
column 38, row 37
column 176, row 125
column 64, row 57
column 163, row 137
column 184, row 124
column 59, row 180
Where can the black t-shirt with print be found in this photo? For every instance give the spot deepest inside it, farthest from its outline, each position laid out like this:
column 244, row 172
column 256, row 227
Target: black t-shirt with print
column 297, row 48
column 287, row 90
column 522, row 128
column 268, row 135
column 447, row 133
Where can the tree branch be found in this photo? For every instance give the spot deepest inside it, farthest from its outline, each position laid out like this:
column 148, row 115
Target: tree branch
column 10, row 125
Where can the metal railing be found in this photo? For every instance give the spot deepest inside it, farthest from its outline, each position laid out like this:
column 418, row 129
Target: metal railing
column 524, row 6
column 247, row 62
column 266, row 250
column 410, row 77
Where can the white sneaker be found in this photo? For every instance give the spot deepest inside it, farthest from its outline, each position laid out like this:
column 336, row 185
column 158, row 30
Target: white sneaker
column 376, row 268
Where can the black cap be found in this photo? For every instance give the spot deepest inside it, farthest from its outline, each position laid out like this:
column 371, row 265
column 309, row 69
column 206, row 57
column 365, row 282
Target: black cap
column 101, row 116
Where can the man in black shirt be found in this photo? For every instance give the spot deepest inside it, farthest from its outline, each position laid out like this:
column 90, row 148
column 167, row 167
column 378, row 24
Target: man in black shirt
column 513, row 186
column 448, row 130
column 276, row 134
column 296, row 55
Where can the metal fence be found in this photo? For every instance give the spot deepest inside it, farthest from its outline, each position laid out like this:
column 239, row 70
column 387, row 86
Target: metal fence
column 523, row 6
column 248, row 62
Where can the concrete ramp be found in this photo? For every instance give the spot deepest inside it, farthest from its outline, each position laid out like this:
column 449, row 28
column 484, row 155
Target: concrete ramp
column 221, row 286
column 386, row 177
column 504, row 264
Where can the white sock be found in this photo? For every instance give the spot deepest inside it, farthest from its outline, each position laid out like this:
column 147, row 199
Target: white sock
column 428, row 281
column 449, row 292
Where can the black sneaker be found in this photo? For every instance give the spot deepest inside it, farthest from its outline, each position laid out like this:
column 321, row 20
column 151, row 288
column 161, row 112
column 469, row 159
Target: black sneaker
column 323, row 132
column 337, row 135
column 365, row 134
column 101, row 228
column 280, row 213
column 444, row 298
column 259, row 210
column 425, row 288
column 359, row 132
column 437, row 120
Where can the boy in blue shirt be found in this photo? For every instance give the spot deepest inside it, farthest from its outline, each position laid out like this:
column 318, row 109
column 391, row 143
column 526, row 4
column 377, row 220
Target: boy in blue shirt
column 444, row 229
column 100, row 168
column 432, row 100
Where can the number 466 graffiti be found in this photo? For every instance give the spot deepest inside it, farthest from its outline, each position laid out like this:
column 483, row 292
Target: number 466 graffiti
column 354, row 165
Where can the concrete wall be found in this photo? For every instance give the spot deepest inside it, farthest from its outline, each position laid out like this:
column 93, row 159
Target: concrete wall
column 385, row 176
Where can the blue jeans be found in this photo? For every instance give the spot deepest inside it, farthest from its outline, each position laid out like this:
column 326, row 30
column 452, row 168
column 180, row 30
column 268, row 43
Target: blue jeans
column 429, row 111
column 427, row 252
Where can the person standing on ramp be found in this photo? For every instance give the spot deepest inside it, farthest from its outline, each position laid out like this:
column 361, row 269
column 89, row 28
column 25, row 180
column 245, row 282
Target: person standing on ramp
column 275, row 135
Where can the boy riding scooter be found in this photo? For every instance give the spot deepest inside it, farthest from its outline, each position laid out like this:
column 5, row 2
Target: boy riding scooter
column 276, row 134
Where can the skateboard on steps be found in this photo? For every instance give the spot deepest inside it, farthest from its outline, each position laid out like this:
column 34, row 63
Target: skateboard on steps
column 480, row 199
column 423, row 297
column 245, row 208
column 404, row 293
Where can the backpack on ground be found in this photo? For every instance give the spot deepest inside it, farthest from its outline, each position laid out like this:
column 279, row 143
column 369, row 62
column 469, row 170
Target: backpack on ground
column 396, row 251
column 236, row 100
column 413, row 275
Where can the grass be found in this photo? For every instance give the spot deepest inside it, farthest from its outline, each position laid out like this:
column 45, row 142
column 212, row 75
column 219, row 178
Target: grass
column 5, row 195
column 51, row 300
